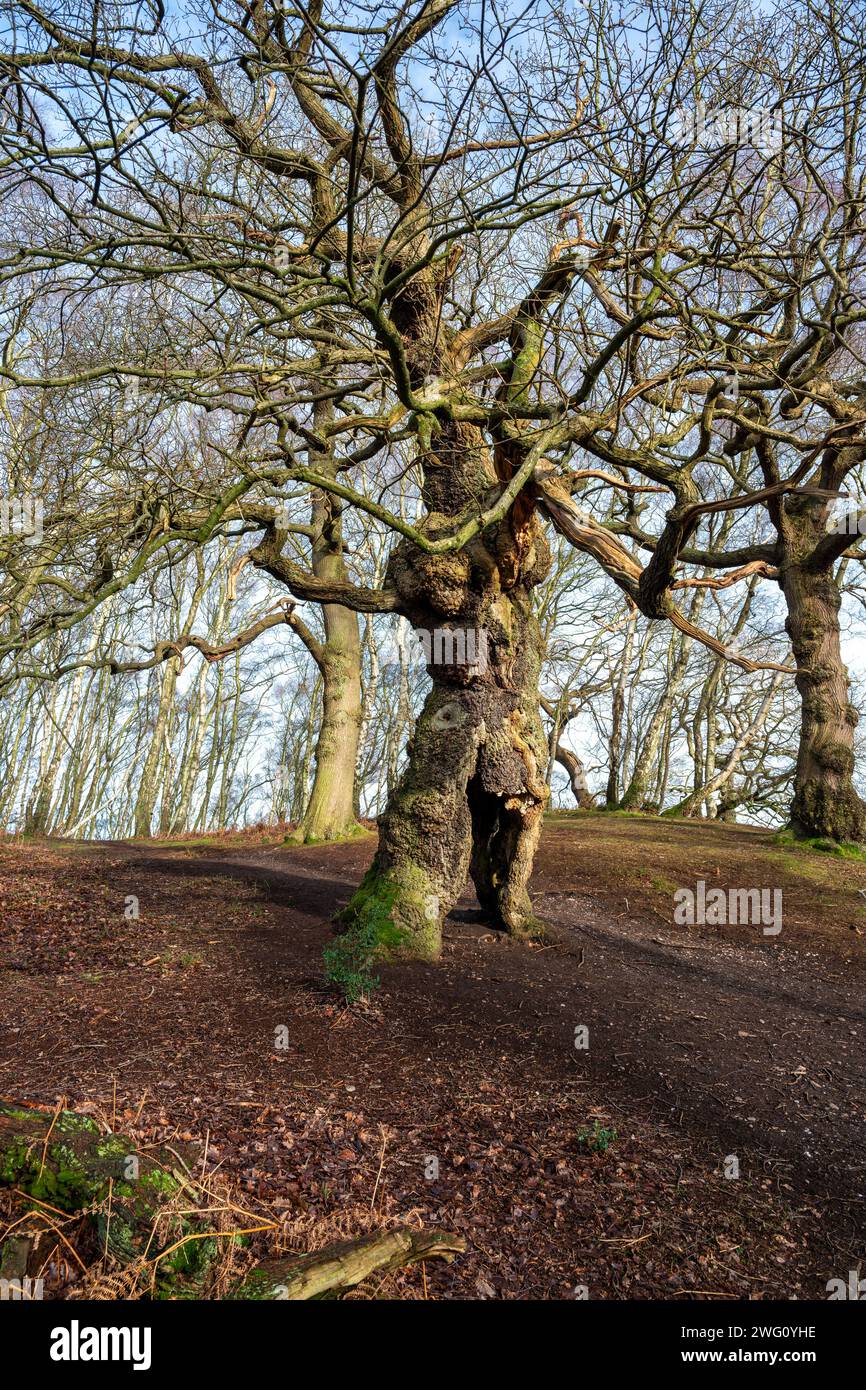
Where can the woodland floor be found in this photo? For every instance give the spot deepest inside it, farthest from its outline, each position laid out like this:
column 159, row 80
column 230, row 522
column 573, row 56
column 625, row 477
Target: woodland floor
column 704, row 1042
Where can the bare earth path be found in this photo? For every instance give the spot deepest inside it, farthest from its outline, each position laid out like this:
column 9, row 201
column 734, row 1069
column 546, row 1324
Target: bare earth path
column 459, row 1094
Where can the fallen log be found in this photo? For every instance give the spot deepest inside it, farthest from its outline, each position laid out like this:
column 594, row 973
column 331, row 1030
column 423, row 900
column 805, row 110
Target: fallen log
column 345, row 1265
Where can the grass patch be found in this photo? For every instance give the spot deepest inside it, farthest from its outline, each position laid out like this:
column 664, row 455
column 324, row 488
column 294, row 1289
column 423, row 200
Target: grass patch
column 349, row 958
column 347, row 964
column 843, row 849
column 663, row 885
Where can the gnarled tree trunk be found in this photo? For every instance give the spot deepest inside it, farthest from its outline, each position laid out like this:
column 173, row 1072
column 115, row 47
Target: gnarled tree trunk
column 473, row 793
column 474, row 790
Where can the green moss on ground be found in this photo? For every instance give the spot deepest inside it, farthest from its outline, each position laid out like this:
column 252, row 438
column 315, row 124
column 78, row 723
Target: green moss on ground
column 821, row 844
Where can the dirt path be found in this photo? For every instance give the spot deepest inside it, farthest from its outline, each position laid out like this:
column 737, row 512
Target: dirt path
column 704, row 1044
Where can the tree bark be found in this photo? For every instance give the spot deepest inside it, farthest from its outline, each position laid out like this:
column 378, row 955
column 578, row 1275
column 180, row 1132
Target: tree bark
column 576, row 776
column 148, row 787
column 43, row 810
column 691, row 805
column 473, row 793
column 616, row 716
column 36, row 815
column 330, row 811
column 826, row 803
column 636, row 795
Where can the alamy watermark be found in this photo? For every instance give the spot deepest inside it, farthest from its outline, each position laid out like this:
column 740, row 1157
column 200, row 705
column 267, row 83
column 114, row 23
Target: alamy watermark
column 21, row 1290
column 22, row 515
column 854, row 1288
column 843, row 520
column 720, row 907
column 759, row 126
column 77, row 1343
column 441, row 646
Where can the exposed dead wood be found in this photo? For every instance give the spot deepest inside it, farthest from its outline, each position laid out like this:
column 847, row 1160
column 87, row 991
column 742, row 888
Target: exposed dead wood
column 345, row 1265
